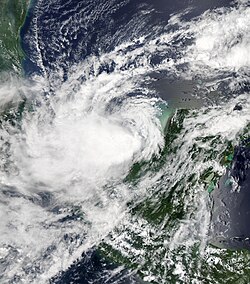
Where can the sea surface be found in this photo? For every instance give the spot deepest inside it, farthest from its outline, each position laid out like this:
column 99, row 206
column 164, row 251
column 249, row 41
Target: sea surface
column 116, row 139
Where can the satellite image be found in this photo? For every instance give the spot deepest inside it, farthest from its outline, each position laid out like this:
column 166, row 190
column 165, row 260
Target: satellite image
column 125, row 141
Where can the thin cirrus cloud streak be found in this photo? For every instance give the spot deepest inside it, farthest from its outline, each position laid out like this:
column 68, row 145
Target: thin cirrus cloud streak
column 77, row 150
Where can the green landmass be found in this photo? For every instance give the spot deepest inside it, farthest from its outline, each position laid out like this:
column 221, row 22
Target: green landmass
column 160, row 211
column 12, row 17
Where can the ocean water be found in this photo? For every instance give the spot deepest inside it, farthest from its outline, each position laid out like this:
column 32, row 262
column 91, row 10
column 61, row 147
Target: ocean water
column 111, row 139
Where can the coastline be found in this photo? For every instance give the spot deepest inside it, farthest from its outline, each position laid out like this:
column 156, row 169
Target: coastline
column 12, row 18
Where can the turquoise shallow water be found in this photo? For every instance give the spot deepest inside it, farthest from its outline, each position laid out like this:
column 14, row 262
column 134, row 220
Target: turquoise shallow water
column 114, row 143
